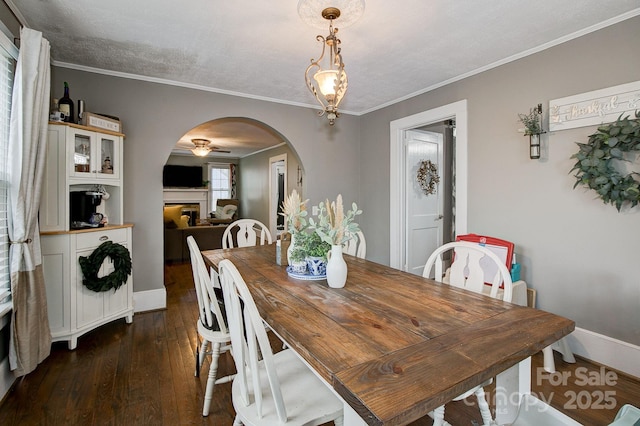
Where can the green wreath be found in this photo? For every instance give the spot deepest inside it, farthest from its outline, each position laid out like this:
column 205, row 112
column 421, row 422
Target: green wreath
column 595, row 166
column 90, row 266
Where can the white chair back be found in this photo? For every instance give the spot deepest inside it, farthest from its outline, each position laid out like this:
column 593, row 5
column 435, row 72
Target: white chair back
column 210, row 314
column 357, row 246
column 247, row 329
column 470, row 260
column 467, row 270
column 248, row 232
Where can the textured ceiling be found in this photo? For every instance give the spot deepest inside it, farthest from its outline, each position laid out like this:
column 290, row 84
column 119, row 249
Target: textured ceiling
column 253, row 48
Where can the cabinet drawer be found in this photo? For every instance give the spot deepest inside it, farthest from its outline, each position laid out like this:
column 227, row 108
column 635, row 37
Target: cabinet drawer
column 94, row 239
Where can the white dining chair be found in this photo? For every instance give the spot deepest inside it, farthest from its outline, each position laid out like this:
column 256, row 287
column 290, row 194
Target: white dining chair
column 247, row 232
column 212, row 327
column 469, row 261
column 277, row 389
column 356, row 246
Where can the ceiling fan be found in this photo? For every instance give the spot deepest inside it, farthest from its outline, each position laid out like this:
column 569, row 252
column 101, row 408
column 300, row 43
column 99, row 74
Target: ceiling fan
column 203, row 147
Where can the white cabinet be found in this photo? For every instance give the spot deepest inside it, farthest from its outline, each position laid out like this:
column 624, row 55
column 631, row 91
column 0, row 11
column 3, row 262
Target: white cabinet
column 79, row 158
column 73, row 309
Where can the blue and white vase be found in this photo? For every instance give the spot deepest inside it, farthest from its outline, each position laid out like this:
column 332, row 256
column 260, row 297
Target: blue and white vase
column 316, row 265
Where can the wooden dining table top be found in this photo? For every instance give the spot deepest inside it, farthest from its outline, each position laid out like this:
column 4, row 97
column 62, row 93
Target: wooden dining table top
column 393, row 345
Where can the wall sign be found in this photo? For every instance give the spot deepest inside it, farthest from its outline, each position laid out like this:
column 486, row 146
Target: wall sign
column 593, row 108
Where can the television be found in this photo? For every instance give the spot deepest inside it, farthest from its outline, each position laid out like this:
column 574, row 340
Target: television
column 174, row 176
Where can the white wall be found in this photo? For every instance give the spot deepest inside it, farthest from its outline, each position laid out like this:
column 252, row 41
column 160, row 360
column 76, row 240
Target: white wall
column 580, row 254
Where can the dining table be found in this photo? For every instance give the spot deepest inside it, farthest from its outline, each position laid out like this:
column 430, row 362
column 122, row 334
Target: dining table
column 393, row 345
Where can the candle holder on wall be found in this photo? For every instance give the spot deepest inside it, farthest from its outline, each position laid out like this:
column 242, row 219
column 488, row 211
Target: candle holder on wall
column 533, row 128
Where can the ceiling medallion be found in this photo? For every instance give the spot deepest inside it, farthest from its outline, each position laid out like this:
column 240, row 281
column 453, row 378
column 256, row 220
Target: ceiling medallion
column 328, row 83
column 310, row 12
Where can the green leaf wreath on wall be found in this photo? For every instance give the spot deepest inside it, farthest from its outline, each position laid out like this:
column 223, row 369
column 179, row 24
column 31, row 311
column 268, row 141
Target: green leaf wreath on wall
column 596, row 168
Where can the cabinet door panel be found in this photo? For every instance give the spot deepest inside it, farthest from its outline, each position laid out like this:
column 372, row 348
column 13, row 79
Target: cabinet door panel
column 55, row 265
column 117, row 301
column 89, row 304
column 54, row 199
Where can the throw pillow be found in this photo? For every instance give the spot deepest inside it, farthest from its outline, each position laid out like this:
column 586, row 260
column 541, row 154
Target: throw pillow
column 229, row 210
column 184, row 221
column 219, row 211
column 171, row 216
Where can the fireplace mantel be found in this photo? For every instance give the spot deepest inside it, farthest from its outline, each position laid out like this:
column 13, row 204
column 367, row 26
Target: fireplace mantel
column 188, row 196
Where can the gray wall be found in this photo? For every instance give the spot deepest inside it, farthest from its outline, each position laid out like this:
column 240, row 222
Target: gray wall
column 580, row 254
column 155, row 116
column 577, row 252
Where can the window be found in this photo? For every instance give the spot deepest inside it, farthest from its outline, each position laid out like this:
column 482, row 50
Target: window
column 8, row 55
column 219, row 183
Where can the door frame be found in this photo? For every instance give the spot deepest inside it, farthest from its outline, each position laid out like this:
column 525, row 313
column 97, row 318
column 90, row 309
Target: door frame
column 397, row 187
column 273, row 189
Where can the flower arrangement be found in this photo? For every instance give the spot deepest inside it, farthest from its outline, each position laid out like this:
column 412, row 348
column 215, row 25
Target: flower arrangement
column 334, row 226
column 531, row 121
column 294, row 211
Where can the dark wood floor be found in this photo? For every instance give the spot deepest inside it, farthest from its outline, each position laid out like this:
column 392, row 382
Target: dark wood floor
column 142, row 374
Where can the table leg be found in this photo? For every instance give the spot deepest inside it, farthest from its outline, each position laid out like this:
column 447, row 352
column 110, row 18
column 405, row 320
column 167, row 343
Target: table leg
column 516, row 404
column 511, row 385
column 351, row 418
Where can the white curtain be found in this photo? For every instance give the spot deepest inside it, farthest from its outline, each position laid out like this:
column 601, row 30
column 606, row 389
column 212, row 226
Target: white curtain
column 30, row 336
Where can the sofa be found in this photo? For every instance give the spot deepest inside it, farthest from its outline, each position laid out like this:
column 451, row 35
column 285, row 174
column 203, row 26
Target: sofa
column 177, row 229
column 208, row 237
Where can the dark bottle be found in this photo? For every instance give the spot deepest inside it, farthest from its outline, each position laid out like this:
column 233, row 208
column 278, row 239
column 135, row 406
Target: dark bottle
column 65, row 105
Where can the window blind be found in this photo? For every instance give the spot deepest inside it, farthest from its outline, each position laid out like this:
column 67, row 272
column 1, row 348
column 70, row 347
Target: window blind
column 8, row 56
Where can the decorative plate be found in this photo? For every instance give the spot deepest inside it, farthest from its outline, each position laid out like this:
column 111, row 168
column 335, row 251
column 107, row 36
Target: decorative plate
column 305, row 276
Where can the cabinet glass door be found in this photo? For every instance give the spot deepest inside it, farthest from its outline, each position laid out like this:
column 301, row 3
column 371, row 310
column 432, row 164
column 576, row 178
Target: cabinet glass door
column 82, row 154
column 109, row 158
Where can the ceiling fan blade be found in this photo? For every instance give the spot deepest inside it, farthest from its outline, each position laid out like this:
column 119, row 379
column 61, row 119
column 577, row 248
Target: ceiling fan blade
column 216, row 149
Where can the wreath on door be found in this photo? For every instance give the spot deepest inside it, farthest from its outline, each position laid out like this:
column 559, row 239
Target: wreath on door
column 428, row 176
column 91, row 264
column 596, row 162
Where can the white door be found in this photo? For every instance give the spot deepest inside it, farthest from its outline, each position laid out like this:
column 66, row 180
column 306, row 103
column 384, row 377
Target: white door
column 424, row 207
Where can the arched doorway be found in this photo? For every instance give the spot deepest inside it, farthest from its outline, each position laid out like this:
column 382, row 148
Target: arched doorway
column 240, row 153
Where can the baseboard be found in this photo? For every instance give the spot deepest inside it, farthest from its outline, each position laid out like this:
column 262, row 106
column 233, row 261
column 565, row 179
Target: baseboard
column 605, row 350
column 150, row 300
column 6, row 377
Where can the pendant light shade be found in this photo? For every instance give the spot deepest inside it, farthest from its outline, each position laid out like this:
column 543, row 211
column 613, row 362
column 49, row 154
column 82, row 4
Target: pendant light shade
column 326, row 77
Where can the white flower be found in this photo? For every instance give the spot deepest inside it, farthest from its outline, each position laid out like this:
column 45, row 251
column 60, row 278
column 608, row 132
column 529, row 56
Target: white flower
column 294, row 211
column 333, row 226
